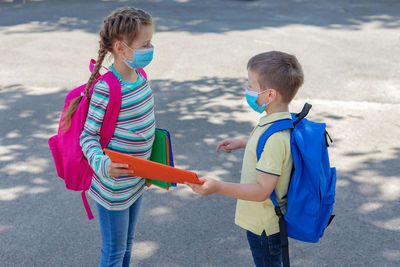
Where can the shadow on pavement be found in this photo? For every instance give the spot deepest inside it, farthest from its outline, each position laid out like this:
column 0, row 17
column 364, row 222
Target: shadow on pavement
column 210, row 16
column 49, row 218
column 49, row 222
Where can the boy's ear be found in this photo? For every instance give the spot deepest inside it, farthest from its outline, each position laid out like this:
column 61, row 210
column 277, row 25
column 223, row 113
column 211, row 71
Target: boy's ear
column 273, row 94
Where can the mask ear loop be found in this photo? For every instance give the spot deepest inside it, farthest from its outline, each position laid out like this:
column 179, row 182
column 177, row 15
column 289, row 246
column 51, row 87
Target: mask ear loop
column 266, row 104
column 262, row 91
column 254, row 92
column 133, row 51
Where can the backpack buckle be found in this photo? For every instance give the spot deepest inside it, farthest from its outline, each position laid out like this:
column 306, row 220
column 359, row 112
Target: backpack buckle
column 278, row 212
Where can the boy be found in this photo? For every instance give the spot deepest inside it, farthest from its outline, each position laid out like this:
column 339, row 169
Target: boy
column 274, row 79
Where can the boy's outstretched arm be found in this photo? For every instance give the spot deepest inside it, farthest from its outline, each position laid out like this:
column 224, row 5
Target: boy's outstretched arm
column 259, row 191
column 230, row 144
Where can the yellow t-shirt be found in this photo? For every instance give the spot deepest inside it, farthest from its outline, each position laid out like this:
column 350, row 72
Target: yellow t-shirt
column 276, row 159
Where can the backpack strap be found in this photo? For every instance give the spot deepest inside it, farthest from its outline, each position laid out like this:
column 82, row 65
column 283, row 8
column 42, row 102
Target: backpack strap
column 110, row 117
column 284, row 237
column 114, row 102
column 303, row 113
column 93, row 62
column 86, row 205
column 276, row 127
column 113, row 108
column 141, row 71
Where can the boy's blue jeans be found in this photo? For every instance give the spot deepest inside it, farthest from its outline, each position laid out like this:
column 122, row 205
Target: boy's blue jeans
column 117, row 233
column 266, row 250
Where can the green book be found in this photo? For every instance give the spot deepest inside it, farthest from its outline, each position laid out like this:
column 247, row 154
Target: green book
column 161, row 153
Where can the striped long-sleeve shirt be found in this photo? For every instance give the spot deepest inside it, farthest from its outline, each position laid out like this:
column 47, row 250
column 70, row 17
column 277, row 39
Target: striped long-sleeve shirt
column 134, row 135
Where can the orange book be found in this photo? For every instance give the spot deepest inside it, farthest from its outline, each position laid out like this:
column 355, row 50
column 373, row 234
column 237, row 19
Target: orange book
column 153, row 170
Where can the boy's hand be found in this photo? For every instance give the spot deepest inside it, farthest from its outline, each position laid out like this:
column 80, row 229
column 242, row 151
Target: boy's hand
column 118, row 169
column 209, row 186
column 230, row 144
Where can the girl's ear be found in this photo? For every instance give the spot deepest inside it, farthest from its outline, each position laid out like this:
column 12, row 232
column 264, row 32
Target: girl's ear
column 118, row 47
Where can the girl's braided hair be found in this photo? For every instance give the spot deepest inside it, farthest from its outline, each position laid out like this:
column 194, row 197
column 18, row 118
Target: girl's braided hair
column 122, row 25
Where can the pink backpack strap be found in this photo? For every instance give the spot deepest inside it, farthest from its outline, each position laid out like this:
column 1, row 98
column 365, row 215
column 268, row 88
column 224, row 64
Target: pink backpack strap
column 113, row 108
column 91, row 65
column 86, row 205
column 93, row 62
column 141, row 71
column 109, row 121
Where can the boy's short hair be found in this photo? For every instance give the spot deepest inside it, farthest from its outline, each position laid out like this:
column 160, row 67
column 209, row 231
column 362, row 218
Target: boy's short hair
column 278, row 70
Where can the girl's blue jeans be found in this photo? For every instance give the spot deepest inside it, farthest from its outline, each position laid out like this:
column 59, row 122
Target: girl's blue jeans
column 266, row 250
column 117, row 233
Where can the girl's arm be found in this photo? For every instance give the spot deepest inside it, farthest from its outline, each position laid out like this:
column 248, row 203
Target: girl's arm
column 90, row 137
column 259, row 191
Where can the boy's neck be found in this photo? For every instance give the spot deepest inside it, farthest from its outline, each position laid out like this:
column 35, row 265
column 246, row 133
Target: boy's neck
column 127, row 74
column 277, row 107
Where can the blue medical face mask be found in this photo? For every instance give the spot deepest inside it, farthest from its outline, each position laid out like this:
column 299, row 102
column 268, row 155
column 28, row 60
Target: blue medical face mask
column 251, row 97
column 141, row 57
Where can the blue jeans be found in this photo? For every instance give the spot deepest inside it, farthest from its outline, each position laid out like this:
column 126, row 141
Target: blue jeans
column 117, row 233
column 266, row 250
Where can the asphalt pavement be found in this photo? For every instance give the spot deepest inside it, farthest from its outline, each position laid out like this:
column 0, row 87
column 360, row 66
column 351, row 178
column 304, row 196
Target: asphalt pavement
column 350, row 52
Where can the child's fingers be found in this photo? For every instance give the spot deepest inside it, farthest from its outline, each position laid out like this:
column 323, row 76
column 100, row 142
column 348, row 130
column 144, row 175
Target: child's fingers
column 189, row 184
column 203, row 180
column 118, row 169
column 222, row 144
column 120, row 165
column 125, row 171
column 194, row 187
column 226, row 149
column 218, row 147
column 148, row 184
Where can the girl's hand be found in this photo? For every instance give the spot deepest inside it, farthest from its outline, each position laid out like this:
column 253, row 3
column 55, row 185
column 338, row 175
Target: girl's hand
column 209, row 186
column 230, row 144
column 118, row 169
column 148, row 184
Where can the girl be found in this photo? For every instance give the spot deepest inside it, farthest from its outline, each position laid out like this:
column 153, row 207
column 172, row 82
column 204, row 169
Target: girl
column 127, row 35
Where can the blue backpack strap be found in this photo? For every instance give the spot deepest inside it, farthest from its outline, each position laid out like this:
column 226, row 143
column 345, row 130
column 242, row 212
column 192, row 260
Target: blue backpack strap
column 275, row 127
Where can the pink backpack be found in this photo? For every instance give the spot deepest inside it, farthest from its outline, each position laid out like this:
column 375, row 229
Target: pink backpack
column 71, row 164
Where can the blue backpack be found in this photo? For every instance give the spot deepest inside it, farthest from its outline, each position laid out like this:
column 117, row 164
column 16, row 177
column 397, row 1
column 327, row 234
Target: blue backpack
column 311, row 192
